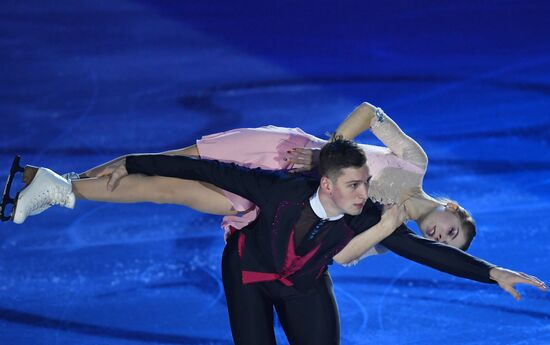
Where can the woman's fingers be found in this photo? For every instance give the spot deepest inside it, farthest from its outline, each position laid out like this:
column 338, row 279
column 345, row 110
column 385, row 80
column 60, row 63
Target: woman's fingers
column 299, row 156
column 397, row 212
column 303, row 159
column 394, row 215
column 295, row 160
column 402, row 213
column 387, row 208
column 300, row 159
column 300, row 169
column 302, row 150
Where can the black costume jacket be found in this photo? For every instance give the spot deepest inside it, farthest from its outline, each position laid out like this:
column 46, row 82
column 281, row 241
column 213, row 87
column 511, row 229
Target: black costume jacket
column 266, row 245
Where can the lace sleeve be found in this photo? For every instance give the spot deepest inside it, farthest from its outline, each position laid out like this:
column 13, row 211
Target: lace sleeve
column 403, row 146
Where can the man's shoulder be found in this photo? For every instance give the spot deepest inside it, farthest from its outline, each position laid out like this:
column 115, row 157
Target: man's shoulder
column 297, row 185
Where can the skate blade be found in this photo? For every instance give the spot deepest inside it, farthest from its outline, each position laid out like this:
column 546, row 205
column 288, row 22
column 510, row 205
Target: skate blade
column 6, row 199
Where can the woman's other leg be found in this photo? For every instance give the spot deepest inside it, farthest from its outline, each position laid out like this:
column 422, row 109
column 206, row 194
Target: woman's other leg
column 200, row 196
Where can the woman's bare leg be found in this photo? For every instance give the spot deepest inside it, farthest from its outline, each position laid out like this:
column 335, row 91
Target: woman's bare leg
column 200, row 196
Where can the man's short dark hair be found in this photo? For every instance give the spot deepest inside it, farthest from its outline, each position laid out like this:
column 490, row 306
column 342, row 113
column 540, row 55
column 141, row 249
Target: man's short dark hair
column 339, row 154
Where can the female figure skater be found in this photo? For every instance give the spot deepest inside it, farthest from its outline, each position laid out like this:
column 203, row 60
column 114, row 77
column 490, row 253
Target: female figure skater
column 397, row 172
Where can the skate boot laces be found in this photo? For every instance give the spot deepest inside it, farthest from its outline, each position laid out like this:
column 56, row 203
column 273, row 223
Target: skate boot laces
column 53, row 195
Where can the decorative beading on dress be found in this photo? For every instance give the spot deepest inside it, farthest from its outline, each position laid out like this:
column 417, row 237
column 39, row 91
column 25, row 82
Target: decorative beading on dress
column 398, row 169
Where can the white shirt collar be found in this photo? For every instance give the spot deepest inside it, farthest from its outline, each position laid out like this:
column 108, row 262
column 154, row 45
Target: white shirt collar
column 318, row 209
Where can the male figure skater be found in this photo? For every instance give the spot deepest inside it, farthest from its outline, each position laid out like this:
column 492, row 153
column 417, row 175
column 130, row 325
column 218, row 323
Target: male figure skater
column 280, row 260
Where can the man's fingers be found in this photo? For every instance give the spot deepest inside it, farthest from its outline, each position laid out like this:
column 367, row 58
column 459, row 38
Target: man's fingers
column 111, row 183
column 510, row 289
column 534, row 281
column 113, row 179
column 527, row 279
column 105, row 172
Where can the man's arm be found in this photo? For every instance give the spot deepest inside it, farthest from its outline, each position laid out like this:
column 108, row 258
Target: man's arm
column 252, row 184
column 406, row 243
column 448, row 259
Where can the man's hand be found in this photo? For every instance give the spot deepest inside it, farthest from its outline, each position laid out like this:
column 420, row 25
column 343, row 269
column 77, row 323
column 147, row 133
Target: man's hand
column 115, row 171
column 507, row 279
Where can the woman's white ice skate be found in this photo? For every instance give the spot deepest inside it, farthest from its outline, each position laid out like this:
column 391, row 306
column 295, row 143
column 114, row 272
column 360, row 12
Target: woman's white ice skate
column 46, row 189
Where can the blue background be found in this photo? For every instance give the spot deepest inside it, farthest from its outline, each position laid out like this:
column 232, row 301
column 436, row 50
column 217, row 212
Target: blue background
column 83, row 82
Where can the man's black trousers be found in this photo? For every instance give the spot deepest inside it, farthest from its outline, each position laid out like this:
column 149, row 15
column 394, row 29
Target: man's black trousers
column 307, row 317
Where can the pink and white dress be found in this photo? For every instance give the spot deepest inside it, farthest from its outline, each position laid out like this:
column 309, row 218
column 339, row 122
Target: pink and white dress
column 397, row 170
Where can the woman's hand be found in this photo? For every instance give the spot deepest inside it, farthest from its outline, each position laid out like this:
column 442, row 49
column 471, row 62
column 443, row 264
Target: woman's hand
column 507, row 279
column 303, row 159
column 393, row 216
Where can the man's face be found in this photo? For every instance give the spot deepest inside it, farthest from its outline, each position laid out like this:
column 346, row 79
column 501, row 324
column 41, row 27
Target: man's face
column 350, row 190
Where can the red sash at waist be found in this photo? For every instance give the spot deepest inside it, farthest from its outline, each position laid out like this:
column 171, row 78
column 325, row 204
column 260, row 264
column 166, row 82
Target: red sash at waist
column 256, row 277
column 292, row 264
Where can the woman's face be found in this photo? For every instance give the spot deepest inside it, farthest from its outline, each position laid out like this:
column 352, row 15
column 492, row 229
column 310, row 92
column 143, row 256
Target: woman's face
column 443, row 226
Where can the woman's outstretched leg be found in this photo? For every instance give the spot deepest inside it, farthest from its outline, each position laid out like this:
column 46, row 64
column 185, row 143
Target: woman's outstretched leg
column 197, row 195
column 200, row 196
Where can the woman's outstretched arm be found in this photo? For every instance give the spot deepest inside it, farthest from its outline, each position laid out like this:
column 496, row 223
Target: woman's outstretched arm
column 306, row 159
column 367, row 116
column 357, row 122
column 364, row 117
